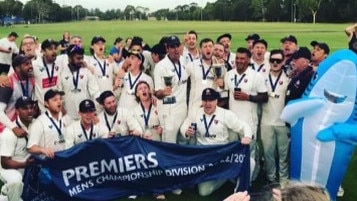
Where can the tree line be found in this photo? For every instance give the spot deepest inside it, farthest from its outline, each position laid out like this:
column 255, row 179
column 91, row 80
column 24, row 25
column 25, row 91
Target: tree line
column 334, row 11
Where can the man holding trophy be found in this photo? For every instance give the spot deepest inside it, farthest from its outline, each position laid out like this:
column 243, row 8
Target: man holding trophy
column 170, row 79
column 203, row 73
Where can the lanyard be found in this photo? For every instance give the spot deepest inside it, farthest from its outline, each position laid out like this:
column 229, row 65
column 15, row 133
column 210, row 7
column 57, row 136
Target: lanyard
column 50, row 76
column 178, row 71
column 209, row 124
column 102, row 68
column 90, row 132
column 132, row 84
column 19, row 125
column 25, row 90
column 205, row 73
column 189, row 54
column 273, row 86
column 55, row 125
column 146, row 117
column 107, row 122
column 76, row 80
column 239, row 81
column 260, row 67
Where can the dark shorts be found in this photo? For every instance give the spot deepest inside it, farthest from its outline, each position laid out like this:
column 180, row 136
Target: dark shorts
column 4, row 68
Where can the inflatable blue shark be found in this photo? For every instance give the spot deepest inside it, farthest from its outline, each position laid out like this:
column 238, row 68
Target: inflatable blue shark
column 324, row 123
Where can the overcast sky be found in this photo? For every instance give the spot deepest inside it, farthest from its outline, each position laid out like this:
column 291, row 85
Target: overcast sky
column 153, row 5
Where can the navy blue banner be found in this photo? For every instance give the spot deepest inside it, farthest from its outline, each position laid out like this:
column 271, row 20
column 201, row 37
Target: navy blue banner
column 105, row 169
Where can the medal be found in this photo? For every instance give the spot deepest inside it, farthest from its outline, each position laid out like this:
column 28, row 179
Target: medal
column 130, row 92
column 76, row 91
column 204, row 82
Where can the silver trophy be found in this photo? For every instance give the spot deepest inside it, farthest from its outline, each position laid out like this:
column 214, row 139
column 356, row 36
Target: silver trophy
column 168, row 83
column 218, row 70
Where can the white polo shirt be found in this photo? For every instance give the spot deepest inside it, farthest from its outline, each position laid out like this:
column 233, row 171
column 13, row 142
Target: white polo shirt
column 202, row 76
column 87, row 88
column 179, row 85
column 127, row 96
column 6, row 58
column 121, row 123
column 46, row 78
column 249, row 82
column 47, row 133
column 272, row 109
column 148, row 119
column 263, row 68
column 75, row 134
column 219, row 124
column 104, row 72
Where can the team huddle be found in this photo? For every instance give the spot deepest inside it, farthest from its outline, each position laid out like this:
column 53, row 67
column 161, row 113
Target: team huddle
column 185, row 92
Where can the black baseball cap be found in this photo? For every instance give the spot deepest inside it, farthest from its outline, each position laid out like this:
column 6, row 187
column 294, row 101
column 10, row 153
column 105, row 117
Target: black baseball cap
column 23, row 101
column 252, row 36
column 20, row 59
column 74, row 49
column 86, row 105
column 14, row 34
column 158, row 49
column 103, row 96
column 303, row 52
column 209, row 94
column 48, row 43
column 264, row 42
column 52, row 93
column 226, row 35
column 321, row 45
column 290, row 38
column 172, row 40
column 96, row 39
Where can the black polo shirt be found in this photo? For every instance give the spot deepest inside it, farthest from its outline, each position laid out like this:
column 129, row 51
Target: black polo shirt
column 298, row 84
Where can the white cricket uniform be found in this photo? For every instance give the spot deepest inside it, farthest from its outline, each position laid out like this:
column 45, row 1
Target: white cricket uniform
column 148, row 120
column 120, row 123
column 189, row 58
column 274, row 132
column 171, row 115
column 76, row 134
column 46, row 78
column 202, row 76
column 14, row 147
column 127, row 96
column 87, row 88
column 249, row 82
column 263, row 68
column 231, row 60
column 6, row 58
column 62, row 60
column 104, row 73
column 214, row 129
column 47, row 133
column 7, row 105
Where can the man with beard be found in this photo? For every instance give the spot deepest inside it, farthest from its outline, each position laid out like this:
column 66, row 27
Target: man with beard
column 229, row 56
column 7, row 49
column 104, row 70
column 191, row 53
column 289, row 47
column 258, row 61
column 22, row 84
column 172, row 97
column 131, row 78
column 14, row 156
column 114, row 120
column 47, row 132
column 77, row 82
column 319, row 53
column 247, row 90
column 201, row 73
column 212, row 128
column 46, row 71
column 84, row 129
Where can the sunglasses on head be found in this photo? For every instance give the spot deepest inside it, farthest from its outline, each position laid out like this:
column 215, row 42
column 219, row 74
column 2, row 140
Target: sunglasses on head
column 74, row 48
column 278, row 61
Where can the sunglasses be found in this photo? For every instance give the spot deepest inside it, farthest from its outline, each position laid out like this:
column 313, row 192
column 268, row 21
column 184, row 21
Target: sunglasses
column 278, row 61
column 74, row 48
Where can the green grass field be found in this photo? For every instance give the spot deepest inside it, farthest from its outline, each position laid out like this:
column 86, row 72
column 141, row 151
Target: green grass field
column 151, row 32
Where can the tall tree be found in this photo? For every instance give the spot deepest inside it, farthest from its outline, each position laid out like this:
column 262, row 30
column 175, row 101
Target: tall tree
column 306, row 6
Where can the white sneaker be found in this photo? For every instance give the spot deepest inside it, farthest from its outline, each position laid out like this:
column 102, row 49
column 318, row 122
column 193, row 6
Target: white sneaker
column 177, row 192
column 132, row 197
column 340, row 192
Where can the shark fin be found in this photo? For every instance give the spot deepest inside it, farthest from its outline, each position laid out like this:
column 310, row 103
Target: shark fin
column 341, row 132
